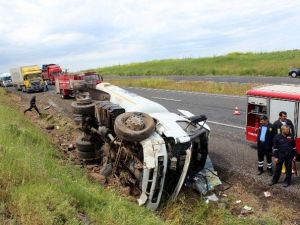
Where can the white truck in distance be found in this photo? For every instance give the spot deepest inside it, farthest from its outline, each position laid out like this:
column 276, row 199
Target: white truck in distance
column 140, row 143
column 5, row 80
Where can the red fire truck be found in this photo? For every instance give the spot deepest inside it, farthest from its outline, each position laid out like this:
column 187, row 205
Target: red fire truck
column 64, row 85
column 50, row 71
column 269, row 101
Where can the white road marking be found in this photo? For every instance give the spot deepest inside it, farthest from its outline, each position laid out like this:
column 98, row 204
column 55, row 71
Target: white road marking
column 188, row 92
column 168, row 99
column 226, row 125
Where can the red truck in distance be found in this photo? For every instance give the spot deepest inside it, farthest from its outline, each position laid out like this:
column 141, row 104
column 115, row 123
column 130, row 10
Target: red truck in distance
column 50, row 72
column 65, row 83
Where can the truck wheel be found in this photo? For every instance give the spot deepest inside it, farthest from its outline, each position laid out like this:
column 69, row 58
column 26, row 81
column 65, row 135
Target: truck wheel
column 88, row 109
column 83, row 101
column 294, row 74
column 86, row 155
column 83, row 145
column 134, row 126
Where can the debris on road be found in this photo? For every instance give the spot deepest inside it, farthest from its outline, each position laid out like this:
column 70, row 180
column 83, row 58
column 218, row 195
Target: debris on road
column 49, row 127
column 206, row 179
column 47, row 107
column 246, row 210
column 212, row 198
column 267, row 194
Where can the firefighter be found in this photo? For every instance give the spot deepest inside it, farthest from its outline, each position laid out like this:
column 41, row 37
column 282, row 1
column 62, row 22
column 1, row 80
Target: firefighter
column 264, row 145
column 33, row 106
column 283, row 120
column 284, row 151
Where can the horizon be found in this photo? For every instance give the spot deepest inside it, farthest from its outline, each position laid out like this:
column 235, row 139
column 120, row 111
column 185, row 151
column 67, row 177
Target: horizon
column 98, row 33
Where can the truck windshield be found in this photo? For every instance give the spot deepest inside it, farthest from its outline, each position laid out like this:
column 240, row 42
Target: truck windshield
column 31, row 76
column 56, row 74
column 5, row 78
column 91, row 77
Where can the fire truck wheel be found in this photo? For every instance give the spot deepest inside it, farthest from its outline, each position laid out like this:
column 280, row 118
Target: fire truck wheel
column 84, row 145
column 134, row 126
column 86, row 155
column 87, row 109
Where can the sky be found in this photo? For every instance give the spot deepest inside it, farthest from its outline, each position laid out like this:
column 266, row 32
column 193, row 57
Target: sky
column 87, row 34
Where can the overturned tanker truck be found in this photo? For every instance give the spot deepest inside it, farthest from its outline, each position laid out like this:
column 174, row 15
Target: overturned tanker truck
column 139, row 142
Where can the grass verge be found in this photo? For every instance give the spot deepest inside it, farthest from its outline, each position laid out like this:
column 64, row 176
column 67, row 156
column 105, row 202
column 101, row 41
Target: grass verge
column 198, row 86
column 38, row 188
column 266, row 64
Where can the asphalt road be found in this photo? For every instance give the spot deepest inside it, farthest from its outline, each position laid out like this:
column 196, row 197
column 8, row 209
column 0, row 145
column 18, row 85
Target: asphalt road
column 228, row 147
column 230, row 79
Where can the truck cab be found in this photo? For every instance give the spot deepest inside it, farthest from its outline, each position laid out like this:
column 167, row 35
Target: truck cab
column 5, row 80
column 28, row 78
column 50, row 72
column 91, row 78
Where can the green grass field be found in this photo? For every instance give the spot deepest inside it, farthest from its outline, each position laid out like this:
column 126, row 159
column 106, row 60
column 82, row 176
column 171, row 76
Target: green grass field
column 266, row 64
column 197, row 86
column 38, row 187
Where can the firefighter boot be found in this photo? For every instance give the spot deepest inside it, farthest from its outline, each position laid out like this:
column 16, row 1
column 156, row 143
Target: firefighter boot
column 260, row 170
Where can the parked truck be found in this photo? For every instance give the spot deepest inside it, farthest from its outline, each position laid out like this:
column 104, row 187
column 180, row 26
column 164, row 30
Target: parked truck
column 66, row 84
column 27, row 78
column 5, row 80
column 50, row 72
column 91, row 78
column 269, row 101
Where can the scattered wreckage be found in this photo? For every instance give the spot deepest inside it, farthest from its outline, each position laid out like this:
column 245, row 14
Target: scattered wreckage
column 140, row 143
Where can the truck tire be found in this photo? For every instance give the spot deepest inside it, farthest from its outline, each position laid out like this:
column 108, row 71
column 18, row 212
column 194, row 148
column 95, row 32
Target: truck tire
column 88, row 109
column 84, row 145
column 134, row 126
column 86, row 155
column 84, row 101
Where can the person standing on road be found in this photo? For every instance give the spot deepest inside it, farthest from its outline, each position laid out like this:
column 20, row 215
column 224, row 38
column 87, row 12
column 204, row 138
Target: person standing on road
column 33, row 106
column 264, row 145
column 46, row 85
column 284, row 151
column 283, row 120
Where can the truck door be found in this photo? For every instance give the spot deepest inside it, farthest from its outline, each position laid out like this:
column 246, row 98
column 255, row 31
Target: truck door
column 282, row 105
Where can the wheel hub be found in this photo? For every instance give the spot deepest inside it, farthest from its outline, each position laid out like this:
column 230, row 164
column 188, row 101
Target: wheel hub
column 135, row 122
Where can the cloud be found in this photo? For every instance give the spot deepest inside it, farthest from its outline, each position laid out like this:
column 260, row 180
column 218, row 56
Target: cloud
column 80, row 35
